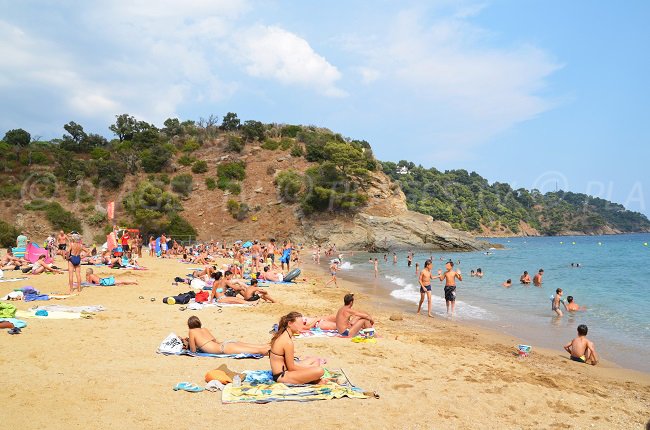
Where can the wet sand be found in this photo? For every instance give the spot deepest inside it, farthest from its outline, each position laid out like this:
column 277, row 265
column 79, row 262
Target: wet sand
column 430, row 373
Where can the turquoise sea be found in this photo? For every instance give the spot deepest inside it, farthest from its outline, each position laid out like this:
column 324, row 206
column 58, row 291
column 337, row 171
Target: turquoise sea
column 613, row 282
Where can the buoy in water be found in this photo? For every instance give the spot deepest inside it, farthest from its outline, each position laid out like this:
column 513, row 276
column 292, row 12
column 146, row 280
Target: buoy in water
column 573, row 243
column 561, row 243
column 600, row 243
column 645, row 243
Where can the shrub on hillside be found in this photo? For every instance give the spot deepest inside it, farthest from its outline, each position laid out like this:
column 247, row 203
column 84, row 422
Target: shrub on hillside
column 186, row 160
column 235, row 144
column 182, row 184
column 289, row 183
column 235, row 170
column 271, row 144
column 200, row 167
column 210, row 183
column 8, row 234
column 59, row 218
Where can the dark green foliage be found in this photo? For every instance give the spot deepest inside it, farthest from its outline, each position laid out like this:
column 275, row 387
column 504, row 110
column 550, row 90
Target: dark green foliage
column 69, row 168
column 286, row 143
column 289, row 183
column 179, row 226
column 10, row 189
column 329, row 190
column 230, row 122
column 234, row 188
column 239, row 211
column 110, row 173
column 235, row 144
column 100, row 154
column 17, row 137
column 290, row 131
column 149, row 206
column 182, row 184
column 59, row 218
column 210, row 183
column 271, row 144
column 235, row 170
column 8, row 234
column 190, row 145
column 467, row 201
column 200, row 166
column 253, row 130
column 296, row 150
column 96, row 218
column 186, row 160
column 154, row 160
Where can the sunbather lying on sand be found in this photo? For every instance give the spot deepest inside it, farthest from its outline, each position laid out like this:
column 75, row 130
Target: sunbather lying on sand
column 91, row 278
column 327, row 322
column 201, row 340
column 283, row 366
column 270, row 275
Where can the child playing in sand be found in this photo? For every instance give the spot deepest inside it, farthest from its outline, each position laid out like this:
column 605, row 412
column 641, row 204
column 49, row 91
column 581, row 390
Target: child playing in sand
column 582, row 349
column 555, row 305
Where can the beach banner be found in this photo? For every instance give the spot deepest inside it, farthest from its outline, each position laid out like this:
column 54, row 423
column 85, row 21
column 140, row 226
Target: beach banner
column 111, row 240
column 34, row 251
column 110, row 210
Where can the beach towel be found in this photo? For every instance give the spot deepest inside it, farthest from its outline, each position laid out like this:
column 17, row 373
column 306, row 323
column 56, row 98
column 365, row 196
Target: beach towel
column 7, row 310
column 79, row 309
column 13, row 295
column 205, row 354
column 31, row 297
column 16, row 322
column 317, row 332
column 53, row 315
column 12, row 279
column 257, row 389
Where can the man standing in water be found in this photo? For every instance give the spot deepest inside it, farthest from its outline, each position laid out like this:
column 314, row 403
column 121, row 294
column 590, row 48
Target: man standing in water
column 450, row 277
column 425, row 286
column 376, row 264
column 537, row 279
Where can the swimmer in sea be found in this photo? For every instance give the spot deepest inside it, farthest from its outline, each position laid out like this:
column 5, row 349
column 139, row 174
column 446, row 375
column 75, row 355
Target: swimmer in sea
column 573, row 306
column 537, row 280
column 582, row 349
column 507, row 284
column 525, row 278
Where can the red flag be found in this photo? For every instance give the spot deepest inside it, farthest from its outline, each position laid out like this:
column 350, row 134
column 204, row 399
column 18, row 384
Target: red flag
column 110, row 209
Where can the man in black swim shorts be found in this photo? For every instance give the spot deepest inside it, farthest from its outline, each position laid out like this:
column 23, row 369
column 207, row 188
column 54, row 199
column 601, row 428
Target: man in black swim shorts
column 425, row 286
column 450, row 277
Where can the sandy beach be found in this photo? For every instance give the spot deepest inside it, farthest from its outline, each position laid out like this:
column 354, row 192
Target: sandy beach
column 430, row 373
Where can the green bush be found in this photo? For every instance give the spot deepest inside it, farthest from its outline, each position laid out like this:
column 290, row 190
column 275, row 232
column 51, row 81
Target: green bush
column 296, row 150
column 153, row 160
column 286, row 143
column 96, row 219
column 235, row 144
column 99, row 154
column 179, row 226
column 186, row 160
column 99, row 239
column 233, row 207
column 8, row 234
column 210, row 183
column 222, row 183
column 289, row 184
column 233, row 170
column 10, row 191
column 164, row 178
column 290, row 130
column 110, row 173
column 271, row 144
column 182, row 184
column 59, row 218
column 190, row 145
column 200, row 167
column 234, row 188
column 239, row 211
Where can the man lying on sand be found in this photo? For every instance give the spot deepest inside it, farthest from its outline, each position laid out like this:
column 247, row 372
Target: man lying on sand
column 201, row 340
column 350, row 322
column 91, row 278
column 271, row 275
column 582, row 349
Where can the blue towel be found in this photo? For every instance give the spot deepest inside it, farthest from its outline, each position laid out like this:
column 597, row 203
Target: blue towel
column 205, row 354
column 30, row 297
column 15, row 322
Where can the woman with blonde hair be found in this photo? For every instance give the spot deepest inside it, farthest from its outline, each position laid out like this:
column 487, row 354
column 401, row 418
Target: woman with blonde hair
column 281, row 355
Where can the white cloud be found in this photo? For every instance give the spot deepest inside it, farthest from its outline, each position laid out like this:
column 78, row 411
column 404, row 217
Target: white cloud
column 274, row 53
column 467, row 90
column 368, row 74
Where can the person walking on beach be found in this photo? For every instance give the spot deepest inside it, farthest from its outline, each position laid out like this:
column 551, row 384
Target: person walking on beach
column 425, row 287
column 333, row 268
column 537, row 279
column 62, row 242
column 450, row 277
column 582, row 349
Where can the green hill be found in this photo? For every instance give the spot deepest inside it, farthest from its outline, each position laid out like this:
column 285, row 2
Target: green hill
column 469, row 202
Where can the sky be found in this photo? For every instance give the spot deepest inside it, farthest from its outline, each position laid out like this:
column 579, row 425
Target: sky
column 539, row 94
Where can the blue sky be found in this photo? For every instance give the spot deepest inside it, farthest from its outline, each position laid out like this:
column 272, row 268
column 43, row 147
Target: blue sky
column 532, row 93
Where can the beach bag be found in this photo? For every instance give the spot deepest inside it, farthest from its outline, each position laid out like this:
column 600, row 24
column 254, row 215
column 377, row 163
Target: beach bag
column 197, row 284
column 230, row 292
column 202, row 297
column 107, row 282
column 171, row 345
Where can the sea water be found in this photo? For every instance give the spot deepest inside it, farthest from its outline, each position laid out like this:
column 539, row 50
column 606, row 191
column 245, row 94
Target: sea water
column 612, row 281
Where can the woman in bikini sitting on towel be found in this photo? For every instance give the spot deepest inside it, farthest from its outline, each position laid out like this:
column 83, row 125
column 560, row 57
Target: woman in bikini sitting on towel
column 201, row 340
column 219, row 292
column 283, row 366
